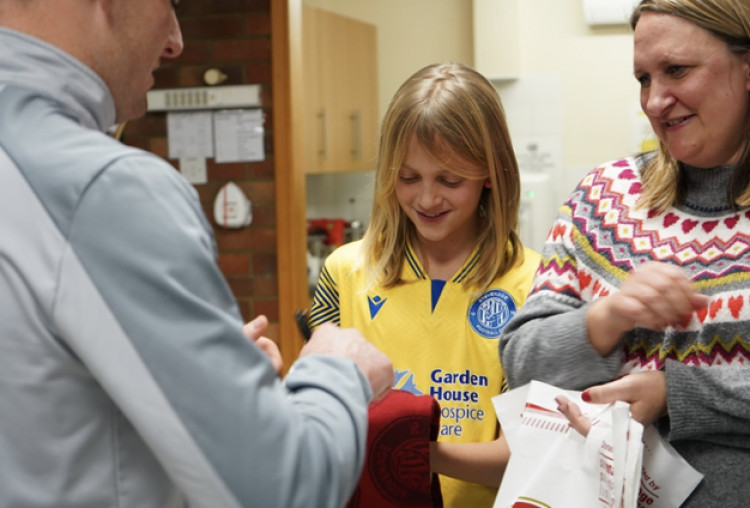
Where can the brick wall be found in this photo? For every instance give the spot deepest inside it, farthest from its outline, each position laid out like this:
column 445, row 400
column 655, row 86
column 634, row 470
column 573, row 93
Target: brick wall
column 235, row 37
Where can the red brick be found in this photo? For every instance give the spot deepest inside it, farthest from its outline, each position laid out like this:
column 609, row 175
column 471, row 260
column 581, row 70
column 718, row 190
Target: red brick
column 234, row 264
column 135, row 142
column 245, row 306
column 150, row 124
column 257, row 240
column 264, row 215
column 264, row 286
column 269, row 308
column 258, row 72
column 261, row 170
column 191, row 76
column 242, row 50
column 195, row 52
column 260, row 191
column 225, row 27
column 158, row 145
column 259, row 24
column 242, row 287
column 239, row 6
column 227, row 170
column 166, row 76
column 264, row 263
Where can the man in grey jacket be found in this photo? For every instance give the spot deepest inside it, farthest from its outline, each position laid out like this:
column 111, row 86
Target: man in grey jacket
column 125, row 377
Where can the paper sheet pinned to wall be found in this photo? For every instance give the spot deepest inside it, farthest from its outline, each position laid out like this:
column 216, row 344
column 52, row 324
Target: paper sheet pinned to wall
column 238, row 135
column 190, row 134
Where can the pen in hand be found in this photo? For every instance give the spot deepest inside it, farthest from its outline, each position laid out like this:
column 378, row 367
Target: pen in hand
column 302, row 318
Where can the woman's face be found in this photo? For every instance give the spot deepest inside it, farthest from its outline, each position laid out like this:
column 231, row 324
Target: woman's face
column 695, row 92
column 442, row 205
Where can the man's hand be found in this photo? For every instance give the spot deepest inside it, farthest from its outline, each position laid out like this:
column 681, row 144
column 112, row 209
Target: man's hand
column 331, row 340
column 254, row 331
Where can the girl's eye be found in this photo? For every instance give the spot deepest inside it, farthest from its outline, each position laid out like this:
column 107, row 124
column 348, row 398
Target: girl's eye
column 407, row 178
column 451, row 183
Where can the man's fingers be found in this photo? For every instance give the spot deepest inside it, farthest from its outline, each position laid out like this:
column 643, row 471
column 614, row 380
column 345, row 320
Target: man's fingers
column 256, row 328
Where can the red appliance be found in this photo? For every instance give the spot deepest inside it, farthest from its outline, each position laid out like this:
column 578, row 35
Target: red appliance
column 333, row 229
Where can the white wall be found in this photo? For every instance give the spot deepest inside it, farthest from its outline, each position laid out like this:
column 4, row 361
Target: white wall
column 591, row 70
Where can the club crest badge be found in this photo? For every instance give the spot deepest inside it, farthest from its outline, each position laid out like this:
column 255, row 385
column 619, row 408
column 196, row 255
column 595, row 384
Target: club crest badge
column 489, row 313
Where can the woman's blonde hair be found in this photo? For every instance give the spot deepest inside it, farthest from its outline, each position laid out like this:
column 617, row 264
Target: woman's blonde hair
column 446, row 107
column 729, row 20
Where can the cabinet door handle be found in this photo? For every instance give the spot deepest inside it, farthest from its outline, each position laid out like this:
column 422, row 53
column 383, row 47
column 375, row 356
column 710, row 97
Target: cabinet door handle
column 323, row 141
column 357, row 134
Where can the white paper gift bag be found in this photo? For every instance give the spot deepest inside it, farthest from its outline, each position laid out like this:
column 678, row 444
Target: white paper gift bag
column 553, row 466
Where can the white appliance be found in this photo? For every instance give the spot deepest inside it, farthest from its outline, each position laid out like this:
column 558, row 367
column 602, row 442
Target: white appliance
column 538, row 209
column 608, row 12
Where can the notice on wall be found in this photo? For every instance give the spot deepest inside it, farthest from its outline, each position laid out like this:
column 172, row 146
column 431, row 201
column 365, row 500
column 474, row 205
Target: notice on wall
column 194, row 170
column 238, row 135
column 190, row 134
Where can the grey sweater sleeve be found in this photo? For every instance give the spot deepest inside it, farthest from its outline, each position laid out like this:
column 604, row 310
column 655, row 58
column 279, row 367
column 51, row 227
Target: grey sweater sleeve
column 547, row 341
column 708, row 404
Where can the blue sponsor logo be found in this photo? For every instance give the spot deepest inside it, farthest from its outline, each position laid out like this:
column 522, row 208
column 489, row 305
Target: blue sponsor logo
column 489, row 313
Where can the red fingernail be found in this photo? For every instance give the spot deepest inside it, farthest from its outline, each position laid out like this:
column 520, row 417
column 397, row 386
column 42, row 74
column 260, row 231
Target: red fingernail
column 586, row 396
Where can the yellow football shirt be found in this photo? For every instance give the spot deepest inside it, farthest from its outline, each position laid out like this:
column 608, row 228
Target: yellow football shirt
column 441, row 340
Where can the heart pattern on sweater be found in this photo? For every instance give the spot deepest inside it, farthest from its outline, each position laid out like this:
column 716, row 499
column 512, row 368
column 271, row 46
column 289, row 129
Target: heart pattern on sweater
column 584, row 279
column 670, row 219
column 735, row 305
column 714, row 307
column 709, row 225
column 688, row 225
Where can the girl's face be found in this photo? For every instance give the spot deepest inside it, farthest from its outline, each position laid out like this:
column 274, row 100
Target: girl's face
column 442, row 205
column 694, row 91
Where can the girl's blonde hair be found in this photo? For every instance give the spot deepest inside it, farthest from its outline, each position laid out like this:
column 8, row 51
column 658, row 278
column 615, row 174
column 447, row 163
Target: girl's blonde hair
column 729, row 20
column 446, row 107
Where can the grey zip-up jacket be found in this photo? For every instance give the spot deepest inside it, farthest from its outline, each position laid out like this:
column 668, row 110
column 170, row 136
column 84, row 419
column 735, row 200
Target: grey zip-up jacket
column 125, row 380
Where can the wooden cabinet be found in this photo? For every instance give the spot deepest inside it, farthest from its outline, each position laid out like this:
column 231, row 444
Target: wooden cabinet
column 496, row 38
column 339, row 57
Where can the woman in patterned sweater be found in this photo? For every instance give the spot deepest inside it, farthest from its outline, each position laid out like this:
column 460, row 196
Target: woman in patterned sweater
column 646, row 271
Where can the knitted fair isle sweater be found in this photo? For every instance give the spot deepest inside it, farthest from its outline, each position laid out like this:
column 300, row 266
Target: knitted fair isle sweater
column 597, row 239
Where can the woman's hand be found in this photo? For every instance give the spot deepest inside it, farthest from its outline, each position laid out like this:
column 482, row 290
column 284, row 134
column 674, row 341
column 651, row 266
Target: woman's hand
column 254, row 331
column 646, row 392
column 653, row 296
